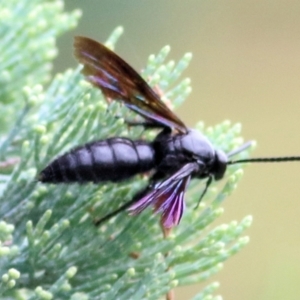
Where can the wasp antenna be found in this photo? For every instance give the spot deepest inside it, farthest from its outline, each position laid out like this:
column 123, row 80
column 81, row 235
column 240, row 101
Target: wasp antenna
column 265, row 160
column 240, row 149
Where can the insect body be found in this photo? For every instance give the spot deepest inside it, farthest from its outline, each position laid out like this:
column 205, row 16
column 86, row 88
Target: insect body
column 176, row 155
column 113, row 159
column 116, row 159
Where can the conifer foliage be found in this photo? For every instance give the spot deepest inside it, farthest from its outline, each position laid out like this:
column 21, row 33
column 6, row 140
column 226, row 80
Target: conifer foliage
column 49, row 248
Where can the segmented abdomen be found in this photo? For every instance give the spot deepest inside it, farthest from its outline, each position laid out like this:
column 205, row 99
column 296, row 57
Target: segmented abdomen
column 113, row 159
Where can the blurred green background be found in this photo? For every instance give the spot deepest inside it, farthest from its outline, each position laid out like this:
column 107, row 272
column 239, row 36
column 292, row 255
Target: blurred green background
column 245, row 68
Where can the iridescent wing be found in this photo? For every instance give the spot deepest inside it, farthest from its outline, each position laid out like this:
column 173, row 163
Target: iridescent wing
column 167, row 197
column 117, row 80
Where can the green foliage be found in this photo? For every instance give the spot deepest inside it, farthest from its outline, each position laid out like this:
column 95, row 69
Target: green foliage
column 49, row 248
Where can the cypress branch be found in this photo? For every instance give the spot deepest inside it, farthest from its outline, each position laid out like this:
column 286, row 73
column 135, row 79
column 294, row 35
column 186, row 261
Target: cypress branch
column 49, row 247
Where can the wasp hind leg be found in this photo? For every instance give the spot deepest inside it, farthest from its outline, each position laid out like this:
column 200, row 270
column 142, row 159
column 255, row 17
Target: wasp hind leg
column 157, row 176
column 123, row 207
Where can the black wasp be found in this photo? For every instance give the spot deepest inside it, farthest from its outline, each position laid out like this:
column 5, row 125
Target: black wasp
column 176, row 155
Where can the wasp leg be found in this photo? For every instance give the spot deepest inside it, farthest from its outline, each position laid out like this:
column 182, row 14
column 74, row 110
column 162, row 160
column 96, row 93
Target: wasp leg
column 146, row 124
column 208, row 183
column 114, row 213
column 140, row 194
column 123, row 207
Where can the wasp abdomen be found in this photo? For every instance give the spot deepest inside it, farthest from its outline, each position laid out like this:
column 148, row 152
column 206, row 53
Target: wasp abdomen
column 113, row 159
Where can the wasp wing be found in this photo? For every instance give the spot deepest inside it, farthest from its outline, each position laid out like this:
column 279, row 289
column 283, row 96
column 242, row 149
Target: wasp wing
column 167, row 197
column 117, row 80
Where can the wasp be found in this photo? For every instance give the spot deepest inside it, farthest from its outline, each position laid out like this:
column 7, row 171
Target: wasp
column 175, row 156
